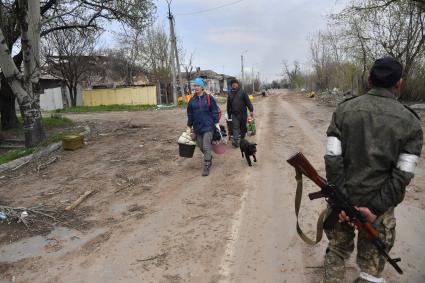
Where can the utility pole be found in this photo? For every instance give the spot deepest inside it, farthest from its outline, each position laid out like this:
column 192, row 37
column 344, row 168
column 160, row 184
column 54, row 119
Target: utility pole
column 259, row 81
column 172, row 54
column 242, row 71
column 253, row 81
column 177, row 56
column 243, row 74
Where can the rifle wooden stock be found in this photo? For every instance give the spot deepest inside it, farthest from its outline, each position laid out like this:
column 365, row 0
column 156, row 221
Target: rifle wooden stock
column 300, row 162
column 367, row 228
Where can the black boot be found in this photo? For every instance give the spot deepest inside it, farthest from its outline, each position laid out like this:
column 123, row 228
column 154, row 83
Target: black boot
column 207, row 166
column 206, row 171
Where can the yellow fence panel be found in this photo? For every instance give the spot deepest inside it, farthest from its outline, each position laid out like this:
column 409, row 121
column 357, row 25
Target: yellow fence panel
column 124, row 96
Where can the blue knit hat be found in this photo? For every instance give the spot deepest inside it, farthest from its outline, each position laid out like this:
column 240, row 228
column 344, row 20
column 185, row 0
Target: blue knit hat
column 200, row 82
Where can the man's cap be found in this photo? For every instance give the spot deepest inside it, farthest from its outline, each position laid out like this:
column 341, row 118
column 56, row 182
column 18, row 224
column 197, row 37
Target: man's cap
column 234, row 81
column 386, row 72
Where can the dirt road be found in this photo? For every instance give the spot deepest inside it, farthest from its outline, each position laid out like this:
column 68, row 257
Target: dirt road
column 153, row 218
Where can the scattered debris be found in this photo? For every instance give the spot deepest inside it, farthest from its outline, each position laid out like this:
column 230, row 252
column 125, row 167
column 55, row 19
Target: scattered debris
column 20, row 165
column 25, row 215
column 79, row 200
column 159, row 257
column 3, row 216
column 132, row 124
column 333, row 97
column 44, row 165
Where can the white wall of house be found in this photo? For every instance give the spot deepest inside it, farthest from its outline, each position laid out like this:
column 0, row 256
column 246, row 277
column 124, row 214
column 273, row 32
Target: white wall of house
column 213, row 85
column 51, row 99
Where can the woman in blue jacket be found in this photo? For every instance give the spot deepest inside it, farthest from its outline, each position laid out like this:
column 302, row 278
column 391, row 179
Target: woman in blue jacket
column 202, row 116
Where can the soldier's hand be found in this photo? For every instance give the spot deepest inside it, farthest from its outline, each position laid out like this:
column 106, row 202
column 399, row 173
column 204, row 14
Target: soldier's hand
column 366, row 212
column 343, row 217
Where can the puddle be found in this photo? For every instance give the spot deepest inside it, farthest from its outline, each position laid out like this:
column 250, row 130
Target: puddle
column 59, row 242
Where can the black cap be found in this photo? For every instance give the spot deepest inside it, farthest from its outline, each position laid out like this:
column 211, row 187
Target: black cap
column 386, row 72
column 234, row 81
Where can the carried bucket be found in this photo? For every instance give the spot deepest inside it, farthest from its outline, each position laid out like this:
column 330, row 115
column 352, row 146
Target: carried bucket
column 186, row 150
column 219, row 148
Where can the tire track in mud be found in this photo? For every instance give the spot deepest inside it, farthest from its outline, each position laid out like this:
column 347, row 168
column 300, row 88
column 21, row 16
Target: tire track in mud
column 267, row 248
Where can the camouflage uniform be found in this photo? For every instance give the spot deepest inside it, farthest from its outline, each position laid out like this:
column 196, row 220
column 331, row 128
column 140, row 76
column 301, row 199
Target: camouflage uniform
column 341, row 245
column 374, row 143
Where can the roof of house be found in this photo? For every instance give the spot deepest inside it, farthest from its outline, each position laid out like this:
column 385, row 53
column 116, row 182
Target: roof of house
column 210, row 74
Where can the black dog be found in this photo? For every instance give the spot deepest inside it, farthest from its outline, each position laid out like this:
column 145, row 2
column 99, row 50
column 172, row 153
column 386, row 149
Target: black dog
column 248, row 149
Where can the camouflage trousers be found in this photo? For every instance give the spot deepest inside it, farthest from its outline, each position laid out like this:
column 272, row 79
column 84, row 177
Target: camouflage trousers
column 341, row 245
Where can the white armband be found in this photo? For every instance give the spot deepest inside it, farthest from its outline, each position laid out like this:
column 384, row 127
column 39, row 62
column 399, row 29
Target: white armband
column 333, row 147
column 407, row 162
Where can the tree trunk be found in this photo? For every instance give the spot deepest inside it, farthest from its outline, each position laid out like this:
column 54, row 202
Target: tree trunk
column 7, row 107
column 158, row 92
column 8, row 98
column 33, row 127
column 72, row 96
column 28, row 101
column 189, row 87
column 75, row 95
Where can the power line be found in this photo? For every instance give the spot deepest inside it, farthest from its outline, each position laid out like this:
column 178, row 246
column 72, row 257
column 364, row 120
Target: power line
column 211, row 9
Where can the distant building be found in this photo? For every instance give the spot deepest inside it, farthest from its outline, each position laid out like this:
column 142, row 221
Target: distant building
column 102, row 73
column 215, row 83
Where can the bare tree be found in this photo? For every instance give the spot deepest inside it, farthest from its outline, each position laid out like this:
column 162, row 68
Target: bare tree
column 396, row 29
column 379, row 4
column 25, row 85
column 291, row 74
column 156, row 55
column 188, row 68
column 64, row 15
column 119, row 67
column 70, row 56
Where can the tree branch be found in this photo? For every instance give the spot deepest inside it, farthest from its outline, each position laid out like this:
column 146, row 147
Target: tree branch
column 45, row 32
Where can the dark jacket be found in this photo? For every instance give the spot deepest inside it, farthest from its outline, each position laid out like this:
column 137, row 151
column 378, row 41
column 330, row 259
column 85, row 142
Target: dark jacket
column 237, row 103
column 380, row 141
column 201, row 116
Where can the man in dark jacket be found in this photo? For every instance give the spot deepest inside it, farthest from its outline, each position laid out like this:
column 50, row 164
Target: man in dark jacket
column 237, row 104
column 373, row 146
column 202, row 115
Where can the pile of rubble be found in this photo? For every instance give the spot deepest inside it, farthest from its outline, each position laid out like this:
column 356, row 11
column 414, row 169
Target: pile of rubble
column 332, row 97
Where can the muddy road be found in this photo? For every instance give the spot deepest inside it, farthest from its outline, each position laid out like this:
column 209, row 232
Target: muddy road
column 153, row 218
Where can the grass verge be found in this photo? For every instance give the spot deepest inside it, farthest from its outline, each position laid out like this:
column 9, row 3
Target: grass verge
column 56, row 137
column 53, row 122
column 56, row 121
column 15, row 154
column 106, row 108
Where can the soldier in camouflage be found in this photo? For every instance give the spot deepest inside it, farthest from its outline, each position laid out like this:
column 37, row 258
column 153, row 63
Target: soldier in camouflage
column 373, row 146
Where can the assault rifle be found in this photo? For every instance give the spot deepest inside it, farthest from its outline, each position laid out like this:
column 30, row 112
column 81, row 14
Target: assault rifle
column 339, row 203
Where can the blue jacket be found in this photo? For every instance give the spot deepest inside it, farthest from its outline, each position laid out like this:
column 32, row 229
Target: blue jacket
column 200, row 116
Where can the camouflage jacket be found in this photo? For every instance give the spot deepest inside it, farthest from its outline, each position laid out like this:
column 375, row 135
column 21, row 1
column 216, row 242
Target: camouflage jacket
column 374, row 143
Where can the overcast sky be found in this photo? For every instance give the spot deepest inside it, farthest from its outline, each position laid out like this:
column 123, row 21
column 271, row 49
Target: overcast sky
column 271, row 31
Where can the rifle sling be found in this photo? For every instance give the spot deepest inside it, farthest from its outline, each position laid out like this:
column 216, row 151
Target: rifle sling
column 298, row 197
